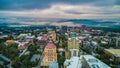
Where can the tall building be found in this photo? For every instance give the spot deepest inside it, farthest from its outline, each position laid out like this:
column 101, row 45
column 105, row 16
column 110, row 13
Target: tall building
column 52, row 35
column 50, row 54
column 63, row 29
column 73, row 45
column 83, row 26
column 118, row 43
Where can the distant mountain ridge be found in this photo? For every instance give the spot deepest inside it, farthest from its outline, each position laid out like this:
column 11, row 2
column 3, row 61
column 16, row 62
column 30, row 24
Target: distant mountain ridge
column 93, row 22
column 6, row 24
column 32, row 21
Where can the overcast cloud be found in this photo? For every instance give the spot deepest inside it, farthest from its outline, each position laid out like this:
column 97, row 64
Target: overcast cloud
column 61, row 9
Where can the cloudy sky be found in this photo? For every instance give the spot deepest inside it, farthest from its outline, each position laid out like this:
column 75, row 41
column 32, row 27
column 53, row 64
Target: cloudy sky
column 59, row 9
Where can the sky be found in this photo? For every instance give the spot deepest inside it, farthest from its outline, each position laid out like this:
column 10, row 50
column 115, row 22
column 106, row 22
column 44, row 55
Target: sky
column 61, row 9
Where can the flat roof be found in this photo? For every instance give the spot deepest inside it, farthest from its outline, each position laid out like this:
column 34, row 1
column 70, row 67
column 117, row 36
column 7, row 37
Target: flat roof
column 73, row 62
column 53, row 65
column 5, row 58
column 94, row 62
column 114, row 51
column 34, row 57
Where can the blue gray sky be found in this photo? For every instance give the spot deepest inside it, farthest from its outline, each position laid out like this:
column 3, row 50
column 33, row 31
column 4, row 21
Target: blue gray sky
column 61, row 9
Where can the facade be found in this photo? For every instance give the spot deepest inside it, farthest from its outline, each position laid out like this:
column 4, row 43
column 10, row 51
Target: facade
column 114, row 54
column 63, row 29
column 73, row 45
column 52, row 35
column 50, row 54
column 118, row 43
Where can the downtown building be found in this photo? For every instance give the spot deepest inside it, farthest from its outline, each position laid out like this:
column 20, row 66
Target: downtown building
column 84, row 61
column 63, row 29
column 49, row 55
column 73, row 46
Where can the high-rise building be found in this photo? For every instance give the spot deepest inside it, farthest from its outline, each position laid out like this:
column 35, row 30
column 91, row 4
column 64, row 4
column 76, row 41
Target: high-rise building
column 73, row 44
column 50, row 54
column 63, row 29
column 118, row 43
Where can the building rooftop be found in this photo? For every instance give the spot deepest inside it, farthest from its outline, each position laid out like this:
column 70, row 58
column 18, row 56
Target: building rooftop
column 22, row 44
column 10, row 41
column 5, row 58
column 73, row 62
column 3, row 36
column 114, row 51
column 22, row 35
column 50, row 45
column 53, row 65
column 34, row 57
column 94, row 62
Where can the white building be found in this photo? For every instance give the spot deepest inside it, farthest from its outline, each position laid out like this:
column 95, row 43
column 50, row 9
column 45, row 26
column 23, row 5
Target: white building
column 73, row 62
column 84, row 61
column 88, row 61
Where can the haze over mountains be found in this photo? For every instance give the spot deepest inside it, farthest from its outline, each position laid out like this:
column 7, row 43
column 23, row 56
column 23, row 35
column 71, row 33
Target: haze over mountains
column 96, row 13
column 6, row 21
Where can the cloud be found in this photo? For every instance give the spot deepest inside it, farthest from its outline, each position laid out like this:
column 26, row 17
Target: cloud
column 41, row 4
column 51, row 23
column 64, row 23
column 68, row 11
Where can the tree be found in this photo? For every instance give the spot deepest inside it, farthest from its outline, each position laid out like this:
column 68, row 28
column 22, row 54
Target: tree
column 100, row 51
column 87, row 50
column 64, row 43
column 61, row 59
